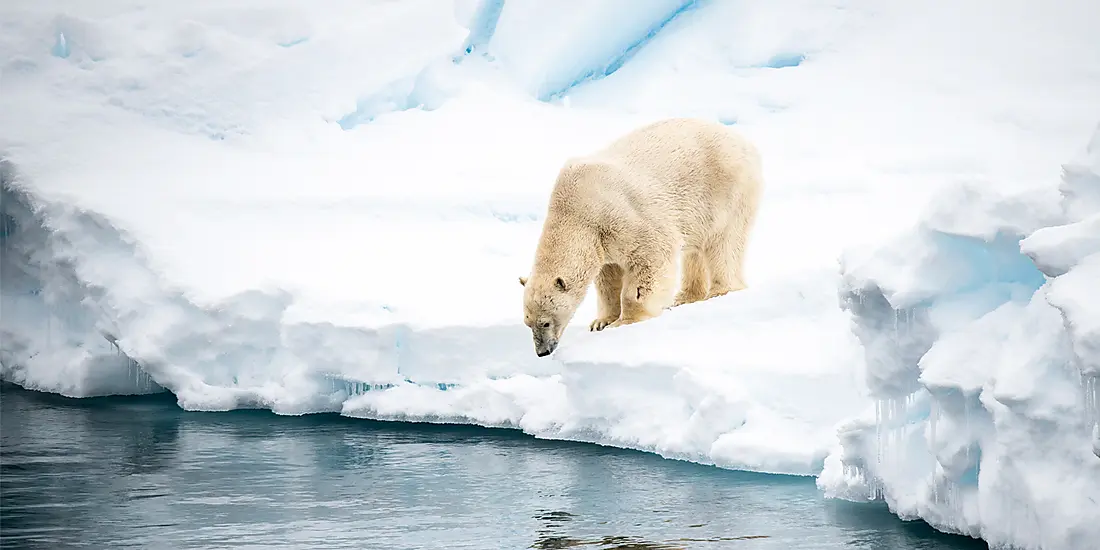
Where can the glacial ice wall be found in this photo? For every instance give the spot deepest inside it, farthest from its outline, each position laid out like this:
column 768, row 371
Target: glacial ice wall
column 50, row 318
column 980, row 331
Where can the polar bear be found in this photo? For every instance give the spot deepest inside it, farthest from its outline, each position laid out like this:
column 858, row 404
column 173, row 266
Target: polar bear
column 619, row 217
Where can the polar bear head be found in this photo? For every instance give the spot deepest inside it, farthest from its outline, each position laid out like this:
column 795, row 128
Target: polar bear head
column 549, row 303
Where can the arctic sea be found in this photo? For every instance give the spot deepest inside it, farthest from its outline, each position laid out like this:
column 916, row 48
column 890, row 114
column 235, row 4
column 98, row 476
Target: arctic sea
column 124, row 472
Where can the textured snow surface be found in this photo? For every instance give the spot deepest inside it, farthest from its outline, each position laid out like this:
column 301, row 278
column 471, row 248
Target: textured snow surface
column 981, row 332
column 325, row 207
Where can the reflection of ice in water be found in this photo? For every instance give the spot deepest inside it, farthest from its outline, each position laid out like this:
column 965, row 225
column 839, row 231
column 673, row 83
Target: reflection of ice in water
column 324, row 480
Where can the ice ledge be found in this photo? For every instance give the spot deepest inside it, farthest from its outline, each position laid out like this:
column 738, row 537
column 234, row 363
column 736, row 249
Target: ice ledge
column 740, row 393
column 50, row 321
column 982, row 345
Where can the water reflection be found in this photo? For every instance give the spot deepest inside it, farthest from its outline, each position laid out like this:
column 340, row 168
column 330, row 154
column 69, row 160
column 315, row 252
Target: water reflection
column 552, row 535
column 140, row 472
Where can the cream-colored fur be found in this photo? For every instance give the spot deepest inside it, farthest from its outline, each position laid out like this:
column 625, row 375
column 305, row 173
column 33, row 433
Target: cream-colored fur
column 620, row 216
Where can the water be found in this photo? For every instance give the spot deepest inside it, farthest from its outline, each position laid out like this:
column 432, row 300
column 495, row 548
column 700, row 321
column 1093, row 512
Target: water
column 140, row 473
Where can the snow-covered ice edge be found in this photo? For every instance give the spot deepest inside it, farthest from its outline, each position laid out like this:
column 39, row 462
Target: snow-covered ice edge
column 84, row 315
column 981, row 332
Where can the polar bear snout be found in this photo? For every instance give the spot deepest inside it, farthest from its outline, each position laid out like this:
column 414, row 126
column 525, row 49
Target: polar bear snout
column 544, row 344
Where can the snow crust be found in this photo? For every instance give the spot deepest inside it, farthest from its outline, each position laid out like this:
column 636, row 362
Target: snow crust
column 307, row 209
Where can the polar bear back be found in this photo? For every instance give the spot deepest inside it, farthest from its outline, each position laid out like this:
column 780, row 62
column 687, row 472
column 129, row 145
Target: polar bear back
column 689, row 175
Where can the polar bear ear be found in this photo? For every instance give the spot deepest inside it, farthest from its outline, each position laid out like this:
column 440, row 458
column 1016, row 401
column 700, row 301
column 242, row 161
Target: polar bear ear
column 522, row 280
column 560, row 284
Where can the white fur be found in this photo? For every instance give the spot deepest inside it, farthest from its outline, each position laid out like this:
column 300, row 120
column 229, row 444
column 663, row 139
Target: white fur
column 619, row 217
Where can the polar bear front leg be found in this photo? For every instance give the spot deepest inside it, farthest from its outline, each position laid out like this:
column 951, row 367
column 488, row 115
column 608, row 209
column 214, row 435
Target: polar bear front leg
column 647, row 290
column 609, row 287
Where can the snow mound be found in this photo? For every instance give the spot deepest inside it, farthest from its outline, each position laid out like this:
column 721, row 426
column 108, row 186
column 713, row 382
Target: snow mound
column 980, row 332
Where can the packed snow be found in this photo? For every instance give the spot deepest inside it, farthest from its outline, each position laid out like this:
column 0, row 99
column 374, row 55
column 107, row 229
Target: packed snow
column 326, row 209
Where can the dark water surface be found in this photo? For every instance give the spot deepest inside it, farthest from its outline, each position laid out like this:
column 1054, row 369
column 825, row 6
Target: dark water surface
column 141, row 473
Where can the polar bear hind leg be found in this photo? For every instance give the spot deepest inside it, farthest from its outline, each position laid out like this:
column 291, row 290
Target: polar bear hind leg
column 725, row 257
column 694, row 277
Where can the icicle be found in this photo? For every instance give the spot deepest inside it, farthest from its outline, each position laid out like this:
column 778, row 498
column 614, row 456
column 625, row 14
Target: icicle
column 933, row 416
column 878, row 431
column 60, row 46
column 1091, row 387
column 969, row 436
column 935, row 484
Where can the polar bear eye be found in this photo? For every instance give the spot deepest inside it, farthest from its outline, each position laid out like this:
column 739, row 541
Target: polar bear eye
column 546, row 324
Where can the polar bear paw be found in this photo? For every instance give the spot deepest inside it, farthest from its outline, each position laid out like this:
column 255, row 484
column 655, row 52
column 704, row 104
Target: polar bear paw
column 600, row 324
